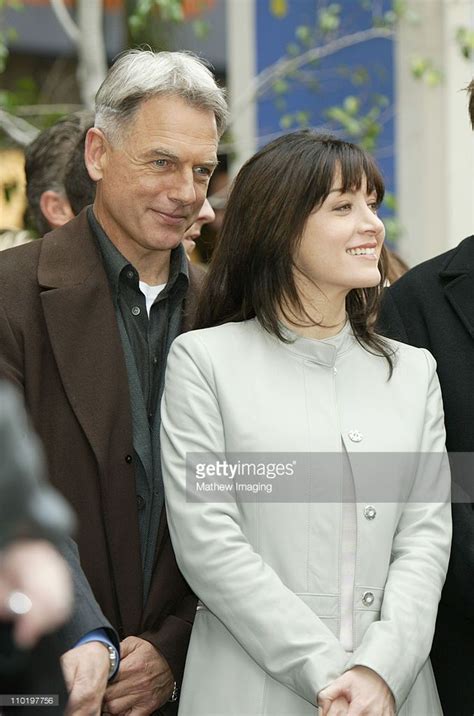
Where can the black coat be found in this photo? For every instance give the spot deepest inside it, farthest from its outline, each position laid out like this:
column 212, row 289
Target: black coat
column 432, row 306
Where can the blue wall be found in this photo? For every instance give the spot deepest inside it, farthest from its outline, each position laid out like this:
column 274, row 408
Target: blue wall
column 273, row 37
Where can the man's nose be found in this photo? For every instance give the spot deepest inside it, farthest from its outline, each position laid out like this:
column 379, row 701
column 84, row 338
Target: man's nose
column 183, row 190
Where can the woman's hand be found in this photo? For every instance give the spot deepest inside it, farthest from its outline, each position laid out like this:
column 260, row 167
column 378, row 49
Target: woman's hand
column 338, row 707
column 364, row 690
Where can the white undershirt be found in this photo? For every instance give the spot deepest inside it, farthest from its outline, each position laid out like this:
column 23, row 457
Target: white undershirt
column 150, row 293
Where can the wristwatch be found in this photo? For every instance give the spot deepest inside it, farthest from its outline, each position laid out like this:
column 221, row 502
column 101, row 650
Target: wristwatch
column 113, row 660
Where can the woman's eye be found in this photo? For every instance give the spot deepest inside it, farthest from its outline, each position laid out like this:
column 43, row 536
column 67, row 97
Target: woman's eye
column 343, row 207
column 374, row 206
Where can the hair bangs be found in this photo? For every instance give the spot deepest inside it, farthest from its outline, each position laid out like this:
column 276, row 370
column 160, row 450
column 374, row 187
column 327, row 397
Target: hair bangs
column 355, row 165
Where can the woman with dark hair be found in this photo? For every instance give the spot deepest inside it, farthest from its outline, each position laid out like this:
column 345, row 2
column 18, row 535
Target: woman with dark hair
column 319, row 578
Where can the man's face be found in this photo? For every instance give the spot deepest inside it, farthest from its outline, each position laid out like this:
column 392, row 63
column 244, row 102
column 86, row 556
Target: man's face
column 153, row 180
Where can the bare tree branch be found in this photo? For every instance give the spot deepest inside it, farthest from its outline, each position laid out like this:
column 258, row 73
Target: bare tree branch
column 284, row 66
column 65, row 20
column 20, row 131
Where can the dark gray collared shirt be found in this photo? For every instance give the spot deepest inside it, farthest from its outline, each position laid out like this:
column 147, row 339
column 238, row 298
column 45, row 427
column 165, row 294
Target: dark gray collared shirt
column 150, row 337
column 146, row 342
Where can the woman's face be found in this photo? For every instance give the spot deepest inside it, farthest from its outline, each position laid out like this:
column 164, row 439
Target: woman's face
column 341, row 242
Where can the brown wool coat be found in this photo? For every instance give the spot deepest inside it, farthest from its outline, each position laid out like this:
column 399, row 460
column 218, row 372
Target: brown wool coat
column 59, row 342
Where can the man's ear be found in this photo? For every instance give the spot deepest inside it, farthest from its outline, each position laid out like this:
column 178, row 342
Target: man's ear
column 55, row 208
column 95, row 153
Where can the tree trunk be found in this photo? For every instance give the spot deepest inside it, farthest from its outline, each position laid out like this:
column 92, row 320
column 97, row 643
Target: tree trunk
column 92, row 59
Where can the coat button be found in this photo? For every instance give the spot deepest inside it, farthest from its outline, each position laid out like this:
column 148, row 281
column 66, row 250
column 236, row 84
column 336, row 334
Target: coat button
column 368, row 599
column 355, row 436
column 370, row 512
column 136, row 310
column 128, row 459
column 140, row 502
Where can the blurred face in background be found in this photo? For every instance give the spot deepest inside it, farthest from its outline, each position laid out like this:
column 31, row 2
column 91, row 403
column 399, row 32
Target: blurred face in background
column 206, row 216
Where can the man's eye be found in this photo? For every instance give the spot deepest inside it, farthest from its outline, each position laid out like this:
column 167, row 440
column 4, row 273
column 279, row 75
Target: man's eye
column 203, row 171
column 161, row 163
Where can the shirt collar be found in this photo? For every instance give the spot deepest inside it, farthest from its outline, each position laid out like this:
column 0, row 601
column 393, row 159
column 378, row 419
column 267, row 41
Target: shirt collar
column 115, row 263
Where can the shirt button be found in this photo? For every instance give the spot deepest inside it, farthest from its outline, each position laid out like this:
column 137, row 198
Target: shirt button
column 370, row 512
column 140, row 502
column 368, row 599
column 128, row 459
column 155, row 360
column 355, row 436
column 334, row 370
column 136, row 310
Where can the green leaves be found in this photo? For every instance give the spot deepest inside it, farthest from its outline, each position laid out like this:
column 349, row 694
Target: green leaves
column 360, row 125
column 7, row 34
column 169, row 11
column 297, row 120
column 329, row 18
column 465, row 40
column 422, row 68
column 201, row 28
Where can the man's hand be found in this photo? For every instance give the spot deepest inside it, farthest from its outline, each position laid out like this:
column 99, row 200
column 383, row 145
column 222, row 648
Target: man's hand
column 35, row 569
column 86, row 670
column 144, row 681
column 364, row 690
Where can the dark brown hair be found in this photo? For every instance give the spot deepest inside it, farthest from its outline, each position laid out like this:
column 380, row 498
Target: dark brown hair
column 46, row 162
column 252, row 273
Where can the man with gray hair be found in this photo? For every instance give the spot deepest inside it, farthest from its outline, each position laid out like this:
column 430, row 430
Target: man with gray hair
column 102, row 298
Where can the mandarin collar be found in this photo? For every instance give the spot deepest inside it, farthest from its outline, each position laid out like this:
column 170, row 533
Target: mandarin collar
column 323, row 351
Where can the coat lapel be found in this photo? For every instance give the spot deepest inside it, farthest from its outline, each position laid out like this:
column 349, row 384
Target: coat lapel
column 458, row 277
column 84, row 335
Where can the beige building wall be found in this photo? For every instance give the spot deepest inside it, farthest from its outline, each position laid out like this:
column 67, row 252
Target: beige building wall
column 12, row 184
column 434, row 140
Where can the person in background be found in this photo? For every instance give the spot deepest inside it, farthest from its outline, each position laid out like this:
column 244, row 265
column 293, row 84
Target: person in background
column 396, row 266
column 432, row 307
column 206, row 216
column 47, row 161
column 321, row 598
column 218, row 191
column 103, row 297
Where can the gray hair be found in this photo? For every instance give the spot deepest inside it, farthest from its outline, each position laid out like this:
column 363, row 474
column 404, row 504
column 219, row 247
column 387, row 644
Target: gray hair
column 138, row 75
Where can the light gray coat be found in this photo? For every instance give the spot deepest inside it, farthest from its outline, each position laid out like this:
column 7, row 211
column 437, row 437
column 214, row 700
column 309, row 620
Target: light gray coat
column 265, row 638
